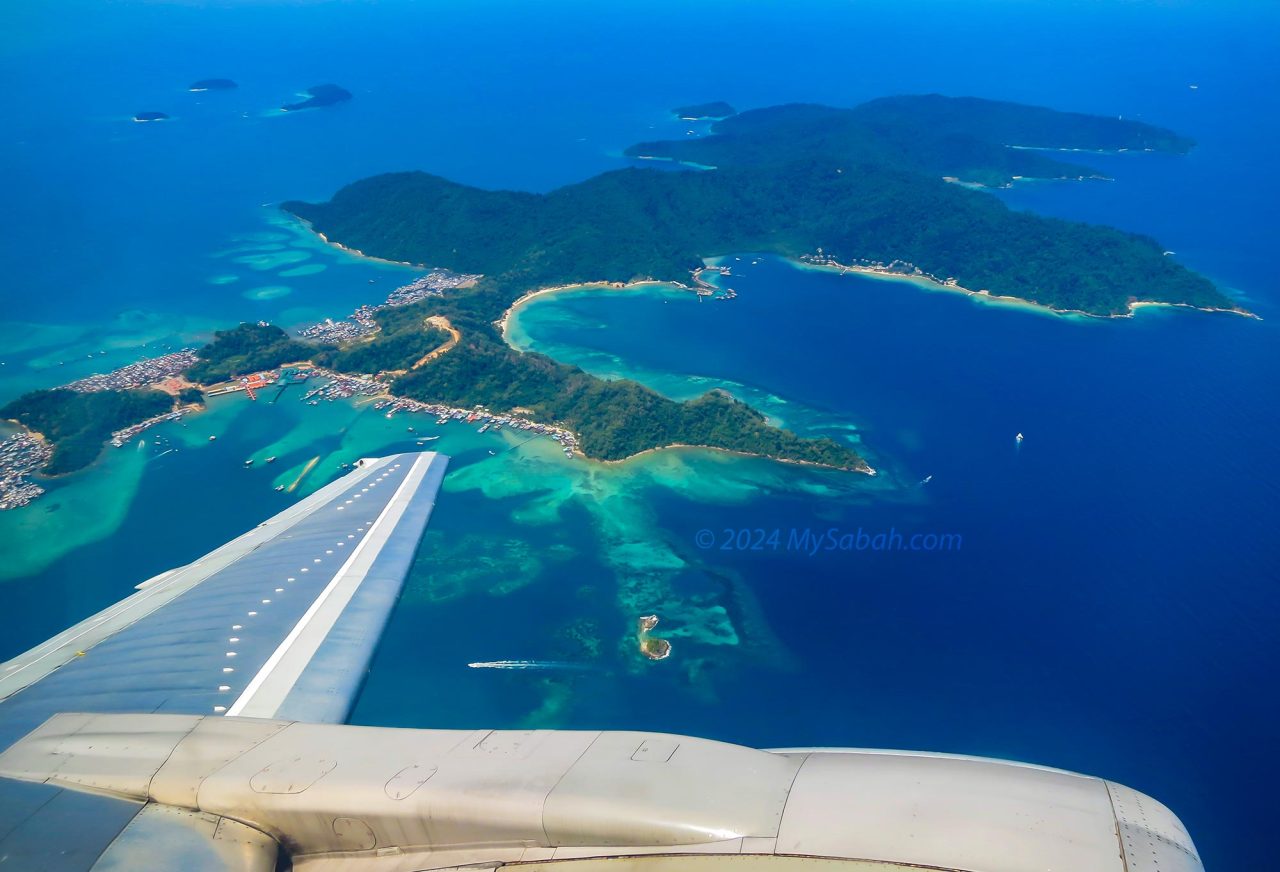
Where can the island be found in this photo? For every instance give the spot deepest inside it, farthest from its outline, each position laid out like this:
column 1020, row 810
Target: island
column 980, row 142
column 212, row 85
column 651, row 646
column 865, row 189
column 704, row 111
column 861, row 189
column 144, row 117
column 636, row 224
column 319, row 96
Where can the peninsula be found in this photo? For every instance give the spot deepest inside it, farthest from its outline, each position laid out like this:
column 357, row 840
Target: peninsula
column 73, row 421
column 446, row 350
column 319, row 96
column 75, row 424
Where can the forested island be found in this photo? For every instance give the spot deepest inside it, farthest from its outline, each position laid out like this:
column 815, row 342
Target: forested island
column 702, row 111
column 984, row 142
column 77, row 423
column 319, row 96
column 865, row 187
column 644, row 224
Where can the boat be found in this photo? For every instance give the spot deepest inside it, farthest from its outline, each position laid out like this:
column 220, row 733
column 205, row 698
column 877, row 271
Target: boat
column 249, row 462
column 271, row 459
column 279, row 487
column 926, row 479
column 213, row 438
column 429, row 438
column 1018, row 438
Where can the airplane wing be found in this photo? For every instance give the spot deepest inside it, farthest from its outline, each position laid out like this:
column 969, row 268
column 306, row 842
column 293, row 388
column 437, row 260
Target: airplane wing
column 197, row 726
column 281, row 622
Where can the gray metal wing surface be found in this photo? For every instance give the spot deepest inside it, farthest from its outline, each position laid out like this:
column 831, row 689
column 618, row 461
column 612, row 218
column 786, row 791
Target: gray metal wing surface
column 281, row 622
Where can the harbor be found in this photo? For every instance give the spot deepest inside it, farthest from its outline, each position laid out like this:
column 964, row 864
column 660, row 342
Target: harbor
column 24, row 455
column 21, row 456
column 338, row 386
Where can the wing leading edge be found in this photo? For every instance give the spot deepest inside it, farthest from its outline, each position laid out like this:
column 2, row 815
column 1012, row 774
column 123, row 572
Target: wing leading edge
column 280, row 622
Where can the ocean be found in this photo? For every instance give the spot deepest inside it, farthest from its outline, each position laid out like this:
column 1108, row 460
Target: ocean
column 1101, row 597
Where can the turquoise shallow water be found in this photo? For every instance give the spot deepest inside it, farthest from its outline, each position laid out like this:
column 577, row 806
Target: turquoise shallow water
column 1110, row 608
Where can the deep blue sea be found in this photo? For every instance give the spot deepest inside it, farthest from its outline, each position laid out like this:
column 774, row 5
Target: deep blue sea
column 1113, row 606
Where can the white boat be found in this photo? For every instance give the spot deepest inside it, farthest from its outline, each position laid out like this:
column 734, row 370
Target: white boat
column 1018, row 438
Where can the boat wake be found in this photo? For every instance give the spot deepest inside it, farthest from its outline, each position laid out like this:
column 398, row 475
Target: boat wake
column 531, row 664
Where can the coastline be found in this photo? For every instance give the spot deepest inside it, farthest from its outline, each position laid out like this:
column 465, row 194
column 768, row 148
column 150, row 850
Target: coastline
column 867, row 469
column 353, row 252
column 1132, row 306
column 502, row 324
column 504, row 321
